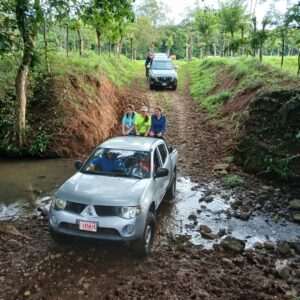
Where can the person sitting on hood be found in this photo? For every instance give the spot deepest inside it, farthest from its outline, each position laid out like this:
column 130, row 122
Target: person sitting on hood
column 158, row 123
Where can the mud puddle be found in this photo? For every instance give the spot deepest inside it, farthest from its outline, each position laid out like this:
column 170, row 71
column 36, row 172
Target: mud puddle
column 28, row 184
column 210, row 205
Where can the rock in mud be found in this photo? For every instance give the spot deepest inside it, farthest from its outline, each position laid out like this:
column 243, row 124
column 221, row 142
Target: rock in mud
column 222, row 232
column 295, row 204
column 268, row 245
column 284, row 273
column 233, row 244
column 296, row 218
column 221, row 167
column 208, row 199
column 205, row 228
column 295, row 246
column 283, row 248
column 192, row 217
column 209, row 235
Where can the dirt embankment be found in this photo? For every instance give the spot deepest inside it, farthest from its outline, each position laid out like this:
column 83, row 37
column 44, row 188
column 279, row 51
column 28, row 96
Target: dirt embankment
column 81, row 112
column 265, row 126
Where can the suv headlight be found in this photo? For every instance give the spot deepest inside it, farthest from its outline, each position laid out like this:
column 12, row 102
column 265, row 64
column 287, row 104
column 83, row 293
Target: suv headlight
column 58, row 204
column 129, row 212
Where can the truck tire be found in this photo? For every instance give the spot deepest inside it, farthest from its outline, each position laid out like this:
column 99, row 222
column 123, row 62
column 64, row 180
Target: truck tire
column 151, row 86
column 170, row 194
column 142, row 246
column 174, row 87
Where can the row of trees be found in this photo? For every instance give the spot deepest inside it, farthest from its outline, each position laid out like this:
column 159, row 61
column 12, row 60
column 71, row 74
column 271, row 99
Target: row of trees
column 23, row 21
column 33, row 29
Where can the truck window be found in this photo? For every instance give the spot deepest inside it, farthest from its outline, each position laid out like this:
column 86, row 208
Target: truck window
column 157, row 162
column 163, row 152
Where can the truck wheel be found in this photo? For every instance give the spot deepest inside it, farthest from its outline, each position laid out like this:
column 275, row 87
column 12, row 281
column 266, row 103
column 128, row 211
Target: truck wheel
column 174, row 87
column 143, row 245
column 151, row 86
column 170, row 194
column 58, row 238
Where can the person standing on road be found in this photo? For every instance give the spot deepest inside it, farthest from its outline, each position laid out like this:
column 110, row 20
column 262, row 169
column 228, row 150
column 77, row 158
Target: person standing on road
column 142, row 122
column 147, row 62
column 128, row 121
column 158, row 123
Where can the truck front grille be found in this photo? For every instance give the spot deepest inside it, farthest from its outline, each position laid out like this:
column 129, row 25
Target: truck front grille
column 105, row 211
column 164, row 79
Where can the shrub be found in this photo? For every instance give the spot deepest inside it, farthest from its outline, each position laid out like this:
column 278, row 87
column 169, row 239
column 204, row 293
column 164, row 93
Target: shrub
column 233, row 180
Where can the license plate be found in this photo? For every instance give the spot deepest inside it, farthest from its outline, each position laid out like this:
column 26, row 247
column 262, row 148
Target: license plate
column 88, row 226
column 164, row 84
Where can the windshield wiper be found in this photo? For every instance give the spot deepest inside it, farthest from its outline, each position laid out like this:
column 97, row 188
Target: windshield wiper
column 128, row 175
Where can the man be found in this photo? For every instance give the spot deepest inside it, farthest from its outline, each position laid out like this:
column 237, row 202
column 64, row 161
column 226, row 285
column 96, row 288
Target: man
column 147, row 62
column 107, row 163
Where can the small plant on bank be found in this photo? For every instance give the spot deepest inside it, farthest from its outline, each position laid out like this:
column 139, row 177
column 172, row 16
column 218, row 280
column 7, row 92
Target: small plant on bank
column 233, row 180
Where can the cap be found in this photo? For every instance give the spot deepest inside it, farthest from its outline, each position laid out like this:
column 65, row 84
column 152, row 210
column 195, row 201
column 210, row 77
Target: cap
column 144, row 108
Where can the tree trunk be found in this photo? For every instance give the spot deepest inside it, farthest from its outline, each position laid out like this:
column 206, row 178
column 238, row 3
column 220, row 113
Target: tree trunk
column 223, row 45
column 46, row 46
column 134, row 54
column 131, row 48
column 120, row 46
column 187, row 52
column 282, row 47
column 109, row 48
column 80, row 41
column 98, row 33
column 28, row 36
column 242, row 36
column 67, row 41
column 298, row 73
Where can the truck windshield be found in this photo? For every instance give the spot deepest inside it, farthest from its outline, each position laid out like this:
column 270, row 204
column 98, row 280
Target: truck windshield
column 162, row 65
column 115, row 162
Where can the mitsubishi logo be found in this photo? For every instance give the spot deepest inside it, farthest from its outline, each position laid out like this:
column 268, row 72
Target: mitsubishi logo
column 90, row 212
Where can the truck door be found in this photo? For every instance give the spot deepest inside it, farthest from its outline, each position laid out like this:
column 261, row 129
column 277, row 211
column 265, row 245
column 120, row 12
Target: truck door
column 158, row 182
column 166, row 163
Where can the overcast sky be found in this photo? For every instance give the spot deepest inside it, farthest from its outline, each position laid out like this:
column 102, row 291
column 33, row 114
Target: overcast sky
column 179, row 7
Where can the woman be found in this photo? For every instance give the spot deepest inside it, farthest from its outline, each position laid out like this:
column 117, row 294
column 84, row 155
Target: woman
column 158, row 124
column 128, row 121
column 142, row 122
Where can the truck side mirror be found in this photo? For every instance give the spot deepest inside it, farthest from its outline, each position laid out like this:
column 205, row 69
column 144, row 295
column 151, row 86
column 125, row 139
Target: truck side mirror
column 170, row 149
column 78, row 164
column 161, row 172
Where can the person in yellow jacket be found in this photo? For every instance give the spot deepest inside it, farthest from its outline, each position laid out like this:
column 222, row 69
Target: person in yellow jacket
column 142, row 122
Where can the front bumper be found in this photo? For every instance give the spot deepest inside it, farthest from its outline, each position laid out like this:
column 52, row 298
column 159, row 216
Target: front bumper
column 163, row 81
column 110, row 228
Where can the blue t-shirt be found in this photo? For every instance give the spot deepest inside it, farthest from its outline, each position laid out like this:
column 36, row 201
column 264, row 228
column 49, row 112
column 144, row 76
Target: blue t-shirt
column 158, row 125
column 129, row 122
column 108, row 165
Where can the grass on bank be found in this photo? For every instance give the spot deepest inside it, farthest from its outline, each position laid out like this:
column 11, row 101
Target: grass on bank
column 248, row 73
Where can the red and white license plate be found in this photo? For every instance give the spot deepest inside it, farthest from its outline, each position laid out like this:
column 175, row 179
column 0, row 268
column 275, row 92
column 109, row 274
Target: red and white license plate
column 88, row 226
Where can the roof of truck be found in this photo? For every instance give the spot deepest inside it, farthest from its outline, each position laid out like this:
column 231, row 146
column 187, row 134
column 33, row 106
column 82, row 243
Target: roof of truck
column 130, row 143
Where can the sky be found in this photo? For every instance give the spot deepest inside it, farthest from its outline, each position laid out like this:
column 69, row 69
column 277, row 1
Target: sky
column 179, row 7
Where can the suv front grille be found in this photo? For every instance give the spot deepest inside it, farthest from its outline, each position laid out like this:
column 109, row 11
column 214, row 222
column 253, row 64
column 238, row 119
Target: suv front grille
column 75, row 207
column 105, row 211
column 164, row 79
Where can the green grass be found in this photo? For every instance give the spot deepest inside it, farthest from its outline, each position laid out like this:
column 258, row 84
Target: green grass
column 120, row 71
column 290, row 63
column 233, row 180
column 248, row 73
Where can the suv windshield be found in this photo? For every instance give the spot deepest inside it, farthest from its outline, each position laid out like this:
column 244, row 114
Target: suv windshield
column 162, row 65
column 114, row 162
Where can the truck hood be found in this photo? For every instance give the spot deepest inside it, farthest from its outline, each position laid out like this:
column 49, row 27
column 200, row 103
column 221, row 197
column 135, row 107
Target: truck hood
column 102, row 190
column 163, row 72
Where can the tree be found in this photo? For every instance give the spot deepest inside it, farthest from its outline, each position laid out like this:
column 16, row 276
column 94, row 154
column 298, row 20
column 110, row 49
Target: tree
column 232, row 15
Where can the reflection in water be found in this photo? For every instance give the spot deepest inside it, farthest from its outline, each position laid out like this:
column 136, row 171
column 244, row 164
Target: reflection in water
column 23, row 183
column 186, row 213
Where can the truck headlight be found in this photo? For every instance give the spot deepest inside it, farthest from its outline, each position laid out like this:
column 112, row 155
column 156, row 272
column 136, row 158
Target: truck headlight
column 129, row 212
column 59, row 204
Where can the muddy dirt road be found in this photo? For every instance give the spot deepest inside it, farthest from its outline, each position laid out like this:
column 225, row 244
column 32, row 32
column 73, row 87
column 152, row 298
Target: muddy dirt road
column 33, row 267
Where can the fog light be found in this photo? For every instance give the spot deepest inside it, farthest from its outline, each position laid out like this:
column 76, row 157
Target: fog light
column 128, row 229
column 53, row 220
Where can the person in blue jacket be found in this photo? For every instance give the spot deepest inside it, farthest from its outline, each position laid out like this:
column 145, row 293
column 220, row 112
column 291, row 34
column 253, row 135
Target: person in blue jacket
column 107, row 162
column 158, row 123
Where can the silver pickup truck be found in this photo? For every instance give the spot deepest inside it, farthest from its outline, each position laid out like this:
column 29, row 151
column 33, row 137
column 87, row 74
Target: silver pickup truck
column 116, row 192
